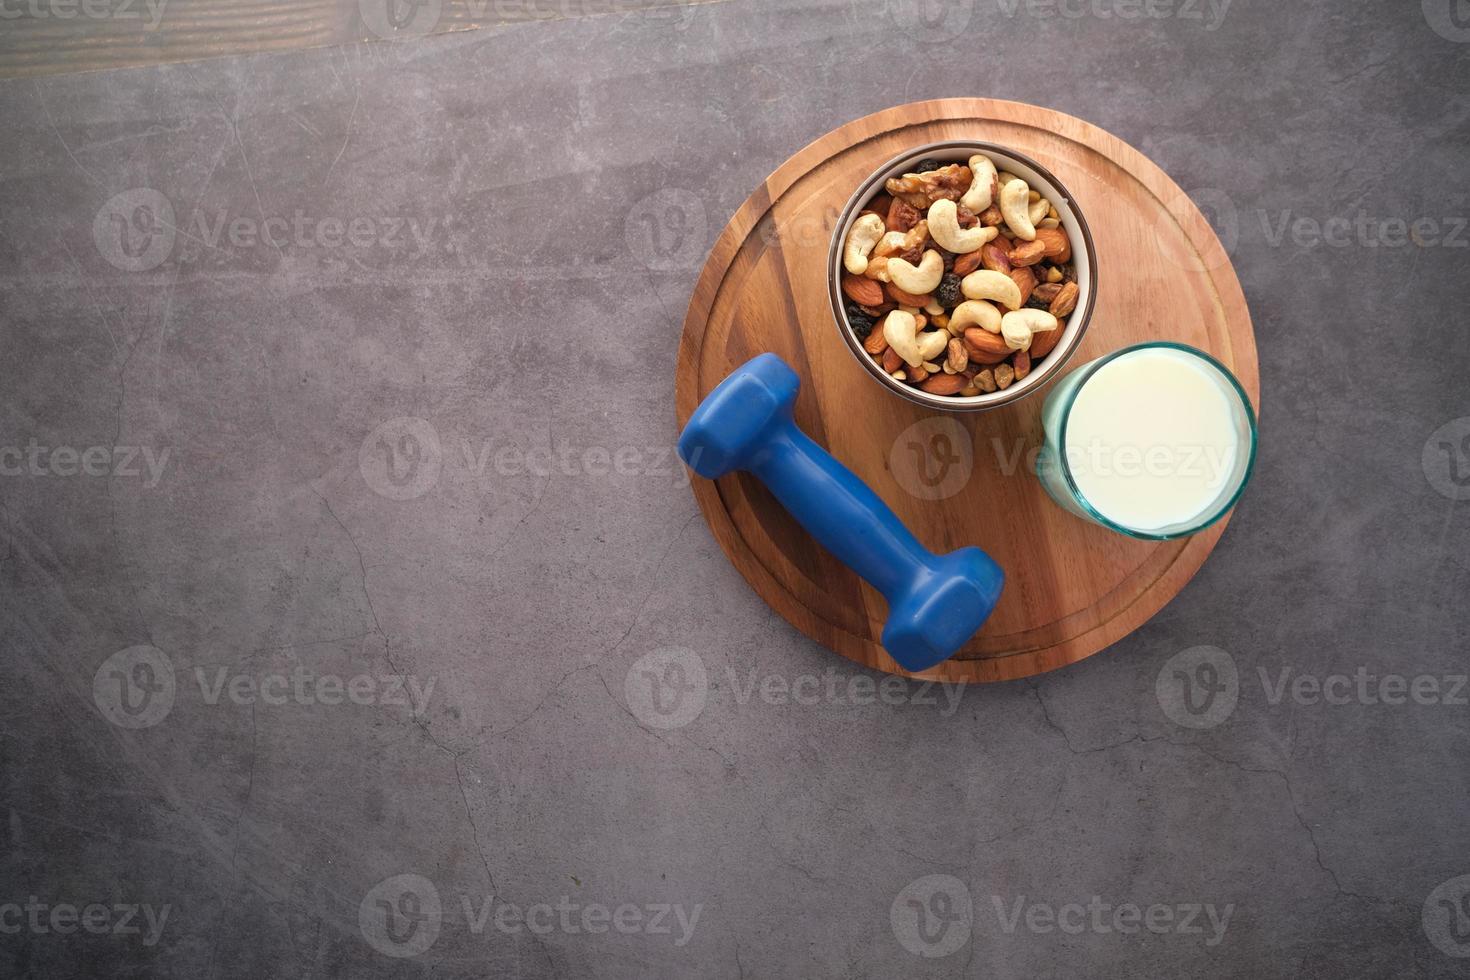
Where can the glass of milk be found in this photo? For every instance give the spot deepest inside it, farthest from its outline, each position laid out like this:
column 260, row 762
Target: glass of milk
column 1154, row 441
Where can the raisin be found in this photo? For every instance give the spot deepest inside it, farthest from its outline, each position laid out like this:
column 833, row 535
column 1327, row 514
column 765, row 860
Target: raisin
column 924, row 166
column 948, row 292
column 860, row 321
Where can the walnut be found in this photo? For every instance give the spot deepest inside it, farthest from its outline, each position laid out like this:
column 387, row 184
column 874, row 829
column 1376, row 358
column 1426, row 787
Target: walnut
column 921, row 190
column 901, row 216
column 914, row 242
column 957, row 358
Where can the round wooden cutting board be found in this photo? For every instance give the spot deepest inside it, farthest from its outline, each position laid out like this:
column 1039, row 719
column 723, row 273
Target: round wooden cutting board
column 955, row 478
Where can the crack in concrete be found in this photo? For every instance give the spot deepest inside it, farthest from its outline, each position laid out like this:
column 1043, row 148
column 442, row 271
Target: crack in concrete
column 235, row 831
column 796, row 866
column 542, row 703
column 378, row 626
column 475, row 832
column 1280, row 773
column 1300, row 818
column 637, row 613
column 1046, row 714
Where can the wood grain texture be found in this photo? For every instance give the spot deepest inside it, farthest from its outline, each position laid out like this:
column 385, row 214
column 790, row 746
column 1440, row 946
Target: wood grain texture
column 1072, row 588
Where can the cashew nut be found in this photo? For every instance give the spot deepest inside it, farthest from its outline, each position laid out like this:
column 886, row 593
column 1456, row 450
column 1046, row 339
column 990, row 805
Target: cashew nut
column 918, row 280
column 944, row 225
column 1037, row 210
column 860, row 241
column 1018, row 326
column 989, row 284
column 902, row 333
column 976, row 313
column 982, row 188
column 1014, row 208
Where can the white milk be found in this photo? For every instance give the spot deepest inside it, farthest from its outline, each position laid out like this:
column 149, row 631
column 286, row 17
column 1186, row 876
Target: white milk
column 1152, row 439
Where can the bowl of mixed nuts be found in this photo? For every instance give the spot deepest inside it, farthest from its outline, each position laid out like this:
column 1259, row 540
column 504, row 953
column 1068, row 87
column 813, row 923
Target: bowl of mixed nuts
column 962, row 275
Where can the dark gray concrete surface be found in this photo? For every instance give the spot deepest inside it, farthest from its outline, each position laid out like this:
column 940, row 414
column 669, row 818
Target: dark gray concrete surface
column 219, row 514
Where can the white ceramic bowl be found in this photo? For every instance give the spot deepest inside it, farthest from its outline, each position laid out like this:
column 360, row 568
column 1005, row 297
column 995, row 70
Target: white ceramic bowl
column 1084, row 262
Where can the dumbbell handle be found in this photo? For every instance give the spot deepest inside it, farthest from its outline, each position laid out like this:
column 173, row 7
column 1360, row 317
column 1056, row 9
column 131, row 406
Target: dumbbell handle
column 935, row 602
column 841, row 512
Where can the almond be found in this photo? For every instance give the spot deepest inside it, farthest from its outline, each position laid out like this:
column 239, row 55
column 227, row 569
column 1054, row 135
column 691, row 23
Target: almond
column 907, row 299
column 991, row 217
column 1058, row 246
column 1042, row 343
column 986, row 358
column 984, row 342
column 943, row 384
column 917, row 374
column 1065, row 301
column 877, row 343
column 1026, row 253
column 864, row 292
column 1026, row 280
column 891, row 361
column 968, row 263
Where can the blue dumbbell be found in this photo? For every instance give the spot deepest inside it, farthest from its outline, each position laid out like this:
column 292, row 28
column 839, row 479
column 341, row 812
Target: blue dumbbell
column 935, row 602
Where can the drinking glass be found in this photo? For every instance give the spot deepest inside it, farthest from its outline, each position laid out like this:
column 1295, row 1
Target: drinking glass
column 1055, row 469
